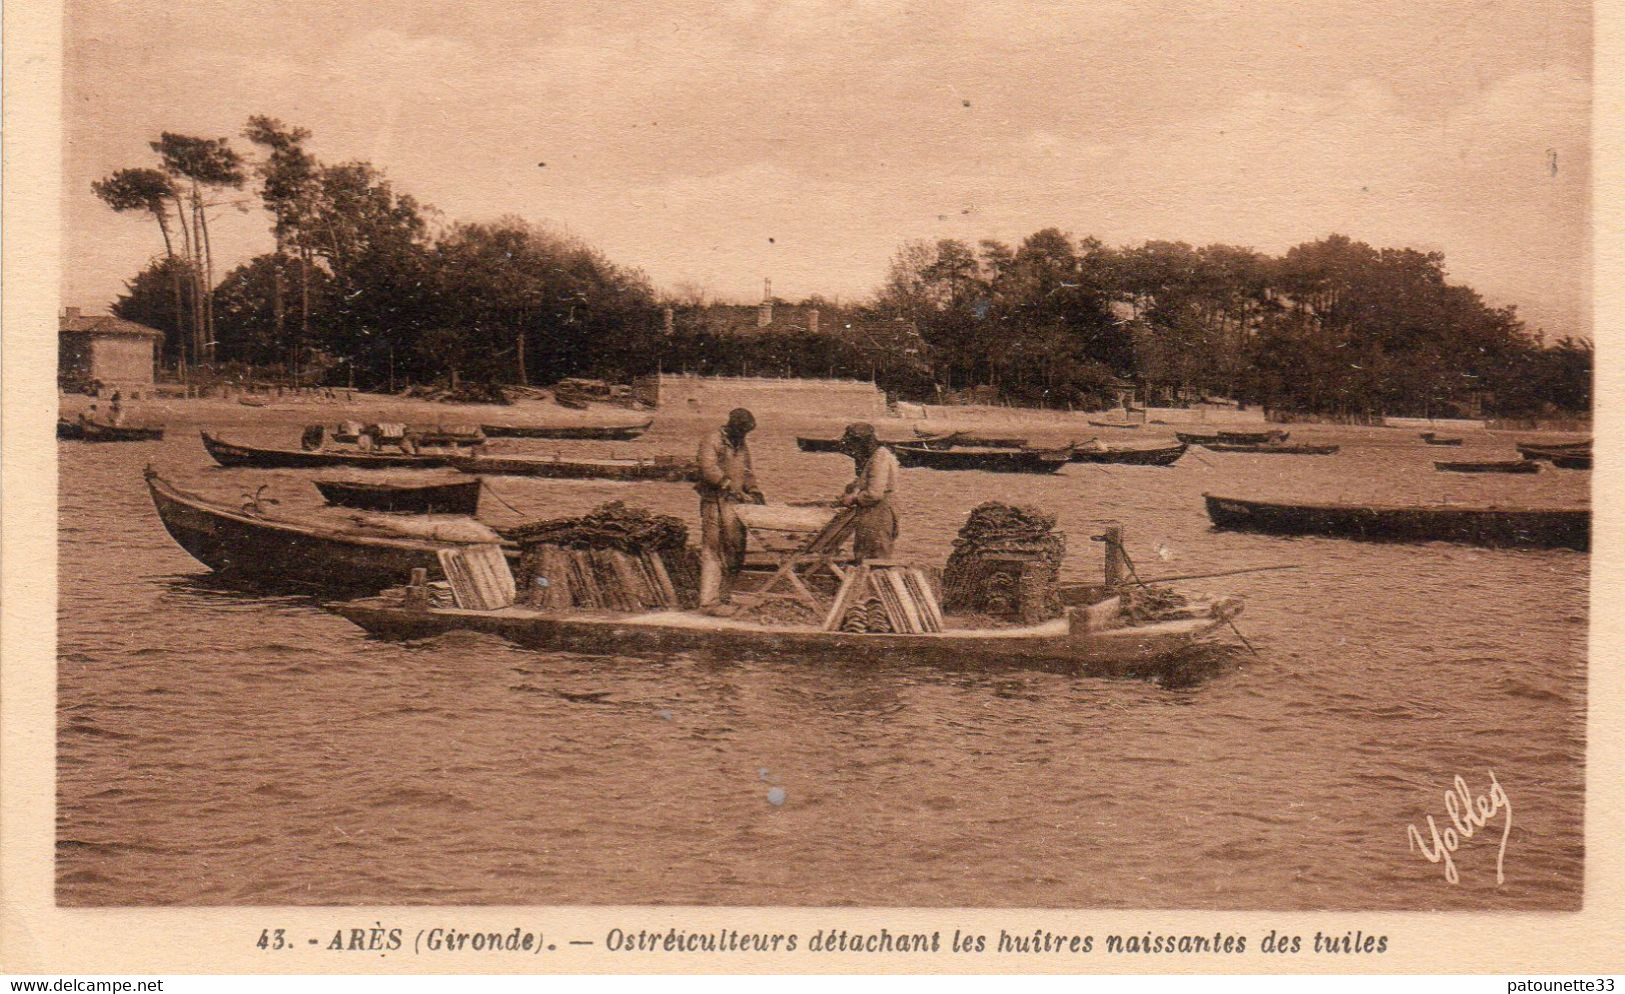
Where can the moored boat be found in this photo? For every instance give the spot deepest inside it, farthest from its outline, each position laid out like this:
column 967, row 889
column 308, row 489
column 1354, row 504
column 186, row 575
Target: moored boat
column 1491, row 466
column 1548, row 451
column 1114, row 424
column 1094, row 641
column 97, row 431
column 69, row 430
column 1165, row 455
column 1572, row 460
column 284, row 554
column 984, row 458
column 235, row 454
column 1474, row 525
column 454, row 497
column 1431, row 439
column 604, row 433
column 663, row 468
column 966, row 438
column 808, row 443
column 1231, row 437
column 1275, row 449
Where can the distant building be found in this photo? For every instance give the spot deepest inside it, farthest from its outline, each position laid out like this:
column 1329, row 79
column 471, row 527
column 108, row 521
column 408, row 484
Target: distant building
column 105, row 352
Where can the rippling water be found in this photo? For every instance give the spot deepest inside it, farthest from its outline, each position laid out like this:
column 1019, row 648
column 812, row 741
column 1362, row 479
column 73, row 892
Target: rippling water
column 217, row 747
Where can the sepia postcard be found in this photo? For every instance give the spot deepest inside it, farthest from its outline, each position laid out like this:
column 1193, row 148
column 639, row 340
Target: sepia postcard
column 810, row 487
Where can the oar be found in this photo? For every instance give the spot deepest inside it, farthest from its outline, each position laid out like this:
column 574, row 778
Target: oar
column 1228, row 572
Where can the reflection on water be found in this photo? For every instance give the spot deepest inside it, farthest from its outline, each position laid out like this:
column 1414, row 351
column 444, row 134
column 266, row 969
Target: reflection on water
column 224, row 747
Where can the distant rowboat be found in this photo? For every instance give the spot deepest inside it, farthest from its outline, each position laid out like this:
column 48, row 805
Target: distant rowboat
column 233, row 454
column 1165, row 455
column 1551, row 450
column 1572, row 461
column 1276, row 449
column 1568, row 528
column 1231, row 437
column 1496, row 466
column 1432, row 439
column 96, row 431
column 664, row 469
column 603, row 433
column 984, row 458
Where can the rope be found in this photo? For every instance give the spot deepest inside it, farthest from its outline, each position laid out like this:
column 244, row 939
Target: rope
column 1129, row 562
column 498, row 496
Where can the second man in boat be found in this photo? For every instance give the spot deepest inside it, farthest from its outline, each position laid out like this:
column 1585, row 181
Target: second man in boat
column 870, row 492
column 726, row 479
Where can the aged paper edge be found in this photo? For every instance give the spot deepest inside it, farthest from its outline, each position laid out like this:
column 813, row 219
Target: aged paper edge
column 36, row 936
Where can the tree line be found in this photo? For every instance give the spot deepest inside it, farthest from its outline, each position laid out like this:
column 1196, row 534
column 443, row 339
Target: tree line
column 368, row 285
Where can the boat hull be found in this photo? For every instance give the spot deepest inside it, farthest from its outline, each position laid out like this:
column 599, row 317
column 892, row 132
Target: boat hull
column 93, row 431
column 231, row 454
column 1275, row 449
column 1566, row 528
column 461, row 497
column 626, row 470
column 1133, row 457
column 1504, row 466
column 283, row 555
column 603, row 433
column 1548, row 452
column 1138, row 651
column 1572, row 461
column 989, row 460
column 1231, row 437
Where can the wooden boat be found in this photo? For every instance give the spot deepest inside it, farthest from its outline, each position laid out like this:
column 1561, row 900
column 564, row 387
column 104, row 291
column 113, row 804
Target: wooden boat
column 1275, row 449
column 1165, row 455
column 455, row 497
column 1113, row 424
column 825, row 444
column 1092, row 641
column 605, row 433
column 1494, row 466
column 985, row 458
column 233, row 454
column 69, row 430
column 1550, row 451
column 282, row 554
column 663, row 468
column 248, row 400
column 1475, row 525
column 1431, row 439
column 1572, row 461
column 1231, row 437
column 966, row 438
column 97, row 431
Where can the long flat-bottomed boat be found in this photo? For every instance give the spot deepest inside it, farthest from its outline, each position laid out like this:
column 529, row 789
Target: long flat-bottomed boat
column 1165, row 455
column 97, row 431
column 235, row 454
column 984, row 458
column 1231, row 437
column 600, row 433
column 1491, row 466
column 1095, row 640
column 1564, row 528
column 660, row 469
column 1275, row 449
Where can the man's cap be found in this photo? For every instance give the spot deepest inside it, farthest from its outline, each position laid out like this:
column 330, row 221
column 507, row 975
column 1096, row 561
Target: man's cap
column 859, row 431
column 741, row 418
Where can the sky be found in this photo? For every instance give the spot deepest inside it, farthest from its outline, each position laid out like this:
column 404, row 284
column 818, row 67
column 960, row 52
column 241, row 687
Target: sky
column 806, row 140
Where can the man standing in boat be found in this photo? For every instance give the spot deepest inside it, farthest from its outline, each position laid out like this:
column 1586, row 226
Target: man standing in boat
column 870, row 492
column 726, row 479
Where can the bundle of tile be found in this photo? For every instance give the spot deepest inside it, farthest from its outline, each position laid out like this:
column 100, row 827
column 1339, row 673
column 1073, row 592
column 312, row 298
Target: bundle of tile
column 884, row 596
